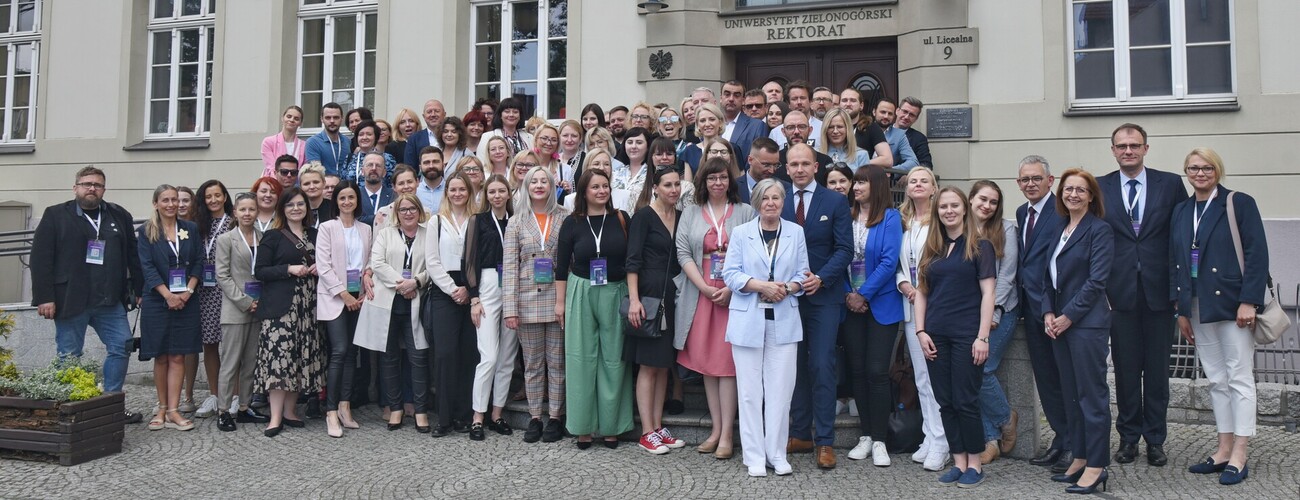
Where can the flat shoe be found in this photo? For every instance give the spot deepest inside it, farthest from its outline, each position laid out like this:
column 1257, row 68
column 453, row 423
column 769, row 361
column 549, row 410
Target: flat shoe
column 723, row 452
column 707, row 447
column 296, row 424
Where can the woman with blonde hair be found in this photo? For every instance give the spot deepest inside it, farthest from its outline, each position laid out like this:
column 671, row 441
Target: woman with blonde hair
column 572, row 151
column 455, row 348
column 520, row 165
column 709, row 125
column 643, row 115
column 499, row 157
column 838, row 142
column 546, row 143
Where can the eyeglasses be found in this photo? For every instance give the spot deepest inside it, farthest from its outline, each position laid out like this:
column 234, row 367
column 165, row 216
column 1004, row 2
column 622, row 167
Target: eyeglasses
column 90, row 185
column 408, row 210
column 796, row 127
column 754, row 106
column 772, row 166
column 296, row 204
column 525, row 165
column 1192, row 170
column 471, row 169
column 548, row 140
column 288, row 172
column 719, row 152
column 670, row 119
column 718, row 178
column 1075, row 190
column 1127, row 147
column 1030, row 180
column 822, row 99
column 640, row 117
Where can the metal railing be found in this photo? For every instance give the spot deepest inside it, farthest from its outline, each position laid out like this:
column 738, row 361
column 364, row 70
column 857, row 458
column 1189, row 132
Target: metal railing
column 1278, row 362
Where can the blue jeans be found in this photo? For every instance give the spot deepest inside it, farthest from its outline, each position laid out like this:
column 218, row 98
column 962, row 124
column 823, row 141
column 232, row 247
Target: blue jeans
column 113, row 329
column 993, row 401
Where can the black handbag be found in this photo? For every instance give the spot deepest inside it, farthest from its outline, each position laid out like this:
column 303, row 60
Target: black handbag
column 655, row 324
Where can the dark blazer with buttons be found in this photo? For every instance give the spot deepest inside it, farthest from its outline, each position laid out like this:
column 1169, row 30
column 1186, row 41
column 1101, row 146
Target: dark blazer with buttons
column 742, row 137
column 1082, row 268
column 828, row 230
column 1034, row 253
column 386, row 195
column 157, row 259
column 274, row 256
column 60, row 273
column 1220, row 285
column 1148, row 251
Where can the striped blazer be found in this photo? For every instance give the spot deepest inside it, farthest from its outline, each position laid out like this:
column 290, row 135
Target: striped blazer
column 520, row 297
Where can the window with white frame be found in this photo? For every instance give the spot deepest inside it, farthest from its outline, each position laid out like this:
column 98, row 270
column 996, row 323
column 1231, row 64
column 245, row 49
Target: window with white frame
column 336, row 63
column 181, row 44
column 1151, row 52
column 521, row 49
column 20, row 34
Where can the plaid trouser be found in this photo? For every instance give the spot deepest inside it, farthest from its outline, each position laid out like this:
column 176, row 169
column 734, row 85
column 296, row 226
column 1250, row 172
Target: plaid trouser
column 543, row 346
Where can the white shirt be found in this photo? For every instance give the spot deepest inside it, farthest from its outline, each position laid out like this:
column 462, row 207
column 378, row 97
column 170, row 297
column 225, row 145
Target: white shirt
column 352, row 243
column 451, row 242
column 779, row 136
column 731, row 126
column 1038, row 210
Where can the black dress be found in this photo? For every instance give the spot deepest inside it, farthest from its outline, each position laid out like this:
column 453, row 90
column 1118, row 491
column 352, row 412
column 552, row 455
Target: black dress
column 652, row 254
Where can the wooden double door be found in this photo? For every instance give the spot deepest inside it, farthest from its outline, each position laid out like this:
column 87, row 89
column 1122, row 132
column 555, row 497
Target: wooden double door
column 871, row 67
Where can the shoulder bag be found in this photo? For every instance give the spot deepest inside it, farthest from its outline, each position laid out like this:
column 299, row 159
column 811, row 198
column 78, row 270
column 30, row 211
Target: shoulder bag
column 1271, row 320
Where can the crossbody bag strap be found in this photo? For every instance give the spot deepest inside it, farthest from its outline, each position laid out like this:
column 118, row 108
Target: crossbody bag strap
column 1236, row 234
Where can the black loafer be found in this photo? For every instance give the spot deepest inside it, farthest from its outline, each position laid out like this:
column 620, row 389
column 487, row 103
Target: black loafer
column 554, row 431
column 460, row 426
column 296, row 424
column 1063, row 464
column 226, row 422
column 534, row 432
column 1156, row 455
column 476, row 432
column 1127, row 453
column 132, row 417
column 1208, row 467
column 441, row 431
column 500, row 426
column 1047, row 458
column 251, row 416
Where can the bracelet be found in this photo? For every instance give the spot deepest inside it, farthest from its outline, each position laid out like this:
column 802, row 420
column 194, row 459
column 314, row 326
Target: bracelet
column 918, row 332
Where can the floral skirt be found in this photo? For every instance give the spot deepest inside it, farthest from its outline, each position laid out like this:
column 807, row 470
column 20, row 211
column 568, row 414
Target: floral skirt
column 292, row 352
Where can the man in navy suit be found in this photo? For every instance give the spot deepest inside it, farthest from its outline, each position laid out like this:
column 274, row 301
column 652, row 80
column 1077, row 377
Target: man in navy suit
column 824, row 215
column 375, row 194
column 1037, row 220
column 763, row 159
column 741, row 130
column 1139, row 203
column 434, row 114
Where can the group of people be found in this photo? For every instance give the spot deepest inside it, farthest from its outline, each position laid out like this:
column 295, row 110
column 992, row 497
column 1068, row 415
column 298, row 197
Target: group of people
column 746, row 240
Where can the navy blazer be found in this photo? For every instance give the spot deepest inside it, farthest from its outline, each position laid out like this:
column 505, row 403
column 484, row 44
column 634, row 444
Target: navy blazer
column 414, row 143
column 828, row 231
column 1148, row 250
column 368, row 209
column 1034, row 254
column 881, row 252
column 921, row 146
column 742, row 137
column 157, row 259
column 1081, row 272
column 1220, row 285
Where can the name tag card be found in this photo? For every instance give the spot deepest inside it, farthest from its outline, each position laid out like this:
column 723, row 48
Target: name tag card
column 857, row 273
column 543, row 271
column 500, row 275
column 253, row 289
column 95, row 252
column 176, row 281
column 406, row 274
column 599, row 272
column 209, row 275
column 716, row 261
column 1196, row 261
column 354, row 281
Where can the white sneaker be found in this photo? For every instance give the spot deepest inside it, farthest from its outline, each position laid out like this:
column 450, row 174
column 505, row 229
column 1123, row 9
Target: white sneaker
column 234, row 405
column 936, row 461
column 853, row 407
column 840, row 407
column 879, row 454
column 921, row 453
column 208, row 407
column 863, row 449
column 759, row 471
column 783, row 468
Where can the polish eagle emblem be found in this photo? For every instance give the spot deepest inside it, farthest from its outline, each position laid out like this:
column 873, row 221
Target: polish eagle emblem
column 660, row 63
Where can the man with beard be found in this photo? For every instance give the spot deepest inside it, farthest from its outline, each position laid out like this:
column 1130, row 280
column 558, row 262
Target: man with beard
column 799, row 97
column 618, row 122
column 431, row 169
column 329, row 147
column 434, row 114
column 376, row 194
column 86, row 272
column 822, row 102
column 904, row 157
column 795, row 130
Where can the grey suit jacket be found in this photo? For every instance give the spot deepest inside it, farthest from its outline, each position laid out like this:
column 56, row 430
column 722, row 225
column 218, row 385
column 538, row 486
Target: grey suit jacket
column 234, row 268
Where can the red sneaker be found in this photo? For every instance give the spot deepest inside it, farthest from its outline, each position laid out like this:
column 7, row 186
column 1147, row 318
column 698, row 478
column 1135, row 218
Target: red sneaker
column 668, row 439
column 650, row 442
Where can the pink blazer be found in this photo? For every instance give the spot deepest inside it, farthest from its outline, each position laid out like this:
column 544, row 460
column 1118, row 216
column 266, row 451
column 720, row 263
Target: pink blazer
column 332, row 265
column 273, row 147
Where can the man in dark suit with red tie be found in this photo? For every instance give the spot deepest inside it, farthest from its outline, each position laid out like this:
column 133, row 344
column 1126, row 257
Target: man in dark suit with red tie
column 1139, row 202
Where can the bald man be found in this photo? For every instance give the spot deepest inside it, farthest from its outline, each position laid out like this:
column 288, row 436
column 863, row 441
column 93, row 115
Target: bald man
column 434, row 114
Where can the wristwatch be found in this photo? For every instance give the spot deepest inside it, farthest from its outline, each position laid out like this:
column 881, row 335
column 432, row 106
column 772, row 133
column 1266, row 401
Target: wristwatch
column 982, row 339
column 191, row 290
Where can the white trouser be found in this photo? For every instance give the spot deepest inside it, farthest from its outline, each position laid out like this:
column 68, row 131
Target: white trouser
column 497, row 348
column 764, row 385
column 933, row 423
column 1227, row 354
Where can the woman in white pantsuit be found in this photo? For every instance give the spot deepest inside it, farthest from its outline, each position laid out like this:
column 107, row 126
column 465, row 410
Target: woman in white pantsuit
column 764, row 268
column 497, row 344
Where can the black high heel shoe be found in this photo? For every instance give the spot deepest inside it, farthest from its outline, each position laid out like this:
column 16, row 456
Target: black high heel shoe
column 1092, row 488
column 1069, row 478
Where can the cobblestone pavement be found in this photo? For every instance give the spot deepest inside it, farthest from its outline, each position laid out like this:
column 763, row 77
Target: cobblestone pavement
column 375, row 463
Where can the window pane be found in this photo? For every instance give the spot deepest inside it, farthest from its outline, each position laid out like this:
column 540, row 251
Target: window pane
column 1207, row 21
column 524, row 64
column 559, row 19
column 312, row 2
column 555, row 101
column 1094, row 26
column 1209, row 69
column 22, row 60
column 311, row 104
column 162, row 82
column 368, row 70
column 4, row 18
column 163, row 8
column 1094, row 75
column 187, row 115
column 489, row 24
column 489, row 91
column 3, row 82
column 313, row 36
column 162, row 47
column 372, row 31
column 1150, row 71
column 558, row 59
column 207, row 77
column 345, row 33
column 212, row 43
column 158, row 117
column 26, row 15
column 368, row 98
column 22, row 91
column 191, row 7
column 525, row 17
column 343, row 98
column 190, row 46
column 1148, row 22
column 312, row 73
column 18, row 131
column 2, row 126
column 487, row 62
column 207, row 114
column 527, row 93
column 345, row 73
column 188, row 85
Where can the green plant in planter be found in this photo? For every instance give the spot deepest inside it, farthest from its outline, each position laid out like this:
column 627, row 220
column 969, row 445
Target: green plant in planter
column 8, row 370
column 67, row 379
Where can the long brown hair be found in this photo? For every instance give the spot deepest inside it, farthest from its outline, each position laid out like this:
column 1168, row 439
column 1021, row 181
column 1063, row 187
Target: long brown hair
column 935, row 248
column 580, row 203
column 879, row 199
column 992, row 229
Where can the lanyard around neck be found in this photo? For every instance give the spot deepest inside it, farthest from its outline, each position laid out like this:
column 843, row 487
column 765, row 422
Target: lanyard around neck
column 593, row 230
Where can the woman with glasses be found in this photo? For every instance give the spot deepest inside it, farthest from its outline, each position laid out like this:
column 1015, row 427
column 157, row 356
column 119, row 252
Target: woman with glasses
column 703, row 237
column 671, row 127
column 520, row 165
column 473, row 170
column 838, row 142
column 718, row 147
column 572, row 151
column 1216, row 309
column 547, row 146
column 455, row 143
column 643, row 115
column 365, row 142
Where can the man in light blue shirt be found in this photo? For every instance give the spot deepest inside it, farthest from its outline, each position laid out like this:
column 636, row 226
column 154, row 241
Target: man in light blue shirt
column 904, row 157
column 431, row 169
column 329, row 147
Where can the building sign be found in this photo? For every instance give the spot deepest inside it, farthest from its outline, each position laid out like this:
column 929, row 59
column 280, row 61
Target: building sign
column 807, row 26
column 942, row 47
column 949, row 123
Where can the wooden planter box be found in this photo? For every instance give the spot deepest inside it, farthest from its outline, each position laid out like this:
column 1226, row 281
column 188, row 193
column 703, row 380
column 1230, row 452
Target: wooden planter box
column 69, row 433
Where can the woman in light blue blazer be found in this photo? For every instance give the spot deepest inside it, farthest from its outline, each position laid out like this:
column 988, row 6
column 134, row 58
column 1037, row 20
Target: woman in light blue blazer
column 764, row 268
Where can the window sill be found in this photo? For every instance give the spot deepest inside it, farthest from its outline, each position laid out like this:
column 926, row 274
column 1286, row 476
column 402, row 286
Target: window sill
column 165, row 145
column 8, row 149
column 1150, row 109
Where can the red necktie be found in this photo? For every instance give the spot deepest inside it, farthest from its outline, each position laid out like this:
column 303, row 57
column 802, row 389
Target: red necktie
column 798, row 208
column 1033, row 216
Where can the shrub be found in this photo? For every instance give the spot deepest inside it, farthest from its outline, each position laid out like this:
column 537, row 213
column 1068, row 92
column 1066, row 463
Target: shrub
column 67, row 379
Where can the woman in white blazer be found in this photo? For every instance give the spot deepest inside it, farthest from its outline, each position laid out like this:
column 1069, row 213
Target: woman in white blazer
column 915, row 210
column 342, row 255
column 765, row 264
column 397, row 263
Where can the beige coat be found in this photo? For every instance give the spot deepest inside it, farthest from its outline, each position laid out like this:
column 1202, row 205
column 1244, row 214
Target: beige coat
column 386, row 258
column 234, row 263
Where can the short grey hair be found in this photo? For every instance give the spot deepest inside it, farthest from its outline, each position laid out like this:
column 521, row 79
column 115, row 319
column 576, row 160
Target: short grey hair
column 704, row 89
column 763, row 186
column 1036, row 159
